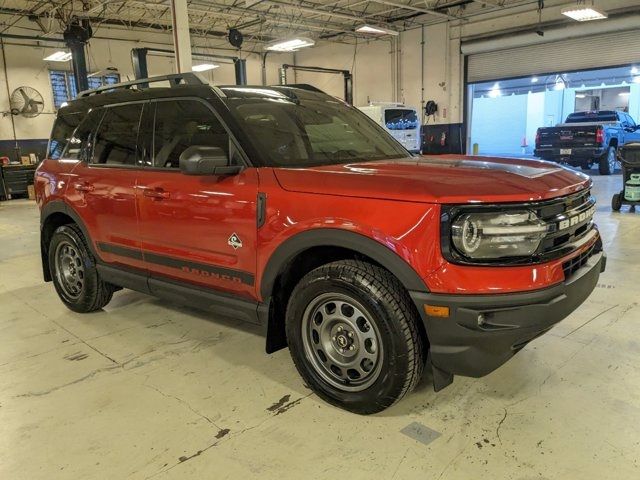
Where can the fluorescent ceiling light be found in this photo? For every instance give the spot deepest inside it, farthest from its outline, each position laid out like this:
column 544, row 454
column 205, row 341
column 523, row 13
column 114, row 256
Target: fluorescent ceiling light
column 534, row 80
column 634, row 70
column 375, row 30
column 495, row 92
column 584, row 13
column 624, row 94
column 290, row 45
column 203, row 67
column 60, row 56
column 581, row 95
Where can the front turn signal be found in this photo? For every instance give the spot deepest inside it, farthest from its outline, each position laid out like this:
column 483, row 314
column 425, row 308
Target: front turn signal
column 436, row 311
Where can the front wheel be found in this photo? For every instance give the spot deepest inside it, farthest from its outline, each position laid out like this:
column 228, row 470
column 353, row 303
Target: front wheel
column 74, row 272
column 609, row 162
column 353, row 336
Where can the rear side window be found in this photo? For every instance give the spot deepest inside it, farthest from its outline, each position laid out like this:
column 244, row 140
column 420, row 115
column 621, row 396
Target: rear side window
column 180, row 124
column 62, row 131
column 116, row 141
column 79, row 145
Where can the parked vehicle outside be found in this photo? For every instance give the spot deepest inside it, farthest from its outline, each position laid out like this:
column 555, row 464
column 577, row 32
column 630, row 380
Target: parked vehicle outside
column 290, row 209
column 588, row 138
column 400, row 121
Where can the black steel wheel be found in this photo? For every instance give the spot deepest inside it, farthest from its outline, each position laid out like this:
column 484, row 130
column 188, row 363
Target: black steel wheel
column 74, row 272
column 354, row 336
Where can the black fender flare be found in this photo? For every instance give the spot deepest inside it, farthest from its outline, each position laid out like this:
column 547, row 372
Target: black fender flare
column 59, row 206
column 334, row 237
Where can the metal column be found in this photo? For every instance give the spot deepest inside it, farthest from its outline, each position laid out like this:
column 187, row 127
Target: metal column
column 76, row 36
column 241, row 71
column 139, row 61
column 181, row 35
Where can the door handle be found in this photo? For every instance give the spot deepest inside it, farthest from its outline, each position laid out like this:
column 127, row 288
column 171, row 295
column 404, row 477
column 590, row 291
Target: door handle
column 156, row 193
column 83, row 187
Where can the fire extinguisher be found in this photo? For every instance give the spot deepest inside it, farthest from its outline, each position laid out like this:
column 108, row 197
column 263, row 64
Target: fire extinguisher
column 443, row 139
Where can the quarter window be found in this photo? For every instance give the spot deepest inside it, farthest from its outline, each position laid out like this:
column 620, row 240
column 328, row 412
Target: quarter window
column 180, row 124
column 79, row 145
column 116, row 140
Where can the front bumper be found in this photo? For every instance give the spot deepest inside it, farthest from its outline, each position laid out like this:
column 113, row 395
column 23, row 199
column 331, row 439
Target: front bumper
column 484, row 331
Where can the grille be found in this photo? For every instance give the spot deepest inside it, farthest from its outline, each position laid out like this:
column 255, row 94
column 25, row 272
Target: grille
column 572, row 266
column 566, row 228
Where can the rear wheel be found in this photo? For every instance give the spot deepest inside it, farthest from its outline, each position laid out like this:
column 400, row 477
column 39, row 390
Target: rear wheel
column 353, row 336
column 609, row 162
column 616, row 202
column 74, row 272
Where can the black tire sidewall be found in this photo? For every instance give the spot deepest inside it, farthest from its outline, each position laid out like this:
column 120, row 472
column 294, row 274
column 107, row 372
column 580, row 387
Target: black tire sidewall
column 389, row 385
column 91, row 282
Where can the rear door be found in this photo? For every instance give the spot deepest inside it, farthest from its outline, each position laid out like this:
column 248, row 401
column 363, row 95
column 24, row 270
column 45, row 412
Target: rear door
column 195, row 229
column 102, row 189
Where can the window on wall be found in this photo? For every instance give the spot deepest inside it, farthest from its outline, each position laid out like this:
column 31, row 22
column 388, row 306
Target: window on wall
column 63, row 85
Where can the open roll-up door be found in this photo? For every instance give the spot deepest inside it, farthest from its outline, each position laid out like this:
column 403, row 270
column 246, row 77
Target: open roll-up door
column 589, row 52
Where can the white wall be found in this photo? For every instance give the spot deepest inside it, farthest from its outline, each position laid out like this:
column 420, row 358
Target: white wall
column 370, row 63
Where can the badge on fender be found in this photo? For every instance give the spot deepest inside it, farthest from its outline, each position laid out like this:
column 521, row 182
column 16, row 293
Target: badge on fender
column 234, row 241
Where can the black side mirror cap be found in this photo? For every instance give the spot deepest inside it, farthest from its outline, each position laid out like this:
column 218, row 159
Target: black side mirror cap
column 205, row 160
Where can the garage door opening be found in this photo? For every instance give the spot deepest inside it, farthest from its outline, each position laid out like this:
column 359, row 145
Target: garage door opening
column 504, row 115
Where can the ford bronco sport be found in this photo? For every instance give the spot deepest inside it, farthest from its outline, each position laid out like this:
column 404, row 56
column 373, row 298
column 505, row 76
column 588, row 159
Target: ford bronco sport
column 290, row 209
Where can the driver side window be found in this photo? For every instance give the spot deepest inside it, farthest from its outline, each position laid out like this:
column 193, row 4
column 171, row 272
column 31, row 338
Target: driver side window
column 180, row 124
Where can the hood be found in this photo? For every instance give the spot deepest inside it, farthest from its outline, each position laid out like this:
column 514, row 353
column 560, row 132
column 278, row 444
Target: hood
column 451, row 179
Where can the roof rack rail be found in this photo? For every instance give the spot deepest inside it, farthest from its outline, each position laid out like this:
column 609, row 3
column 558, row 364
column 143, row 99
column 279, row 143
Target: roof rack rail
column 302, row 86
column 174, row 80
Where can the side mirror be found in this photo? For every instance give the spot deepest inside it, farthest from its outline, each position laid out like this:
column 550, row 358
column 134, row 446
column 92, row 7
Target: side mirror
column 204, row 160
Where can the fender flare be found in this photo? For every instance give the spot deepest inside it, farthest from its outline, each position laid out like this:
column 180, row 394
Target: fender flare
column 59, row 206
column 333, row 237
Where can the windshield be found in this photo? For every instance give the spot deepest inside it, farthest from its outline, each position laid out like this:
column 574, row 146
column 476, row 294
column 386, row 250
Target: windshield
column 305, row 130
column 589, row 117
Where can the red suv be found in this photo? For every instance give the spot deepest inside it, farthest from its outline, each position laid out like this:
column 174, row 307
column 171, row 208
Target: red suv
column 288, row 208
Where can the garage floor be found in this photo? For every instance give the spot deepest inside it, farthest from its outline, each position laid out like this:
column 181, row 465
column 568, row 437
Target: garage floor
column 148, row 389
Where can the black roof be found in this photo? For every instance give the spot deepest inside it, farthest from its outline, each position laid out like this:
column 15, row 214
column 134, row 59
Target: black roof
column 123, row 95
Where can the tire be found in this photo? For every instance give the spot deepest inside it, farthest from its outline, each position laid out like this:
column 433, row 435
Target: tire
column 355, row 304
column 607, row 163
column 616, row 202
column 74, row 273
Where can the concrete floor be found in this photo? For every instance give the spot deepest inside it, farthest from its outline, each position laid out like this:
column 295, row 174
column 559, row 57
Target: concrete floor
column 147, row 389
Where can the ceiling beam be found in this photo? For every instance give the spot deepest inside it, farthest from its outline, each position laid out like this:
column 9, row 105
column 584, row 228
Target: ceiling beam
column 426, row 11
column 490, row 3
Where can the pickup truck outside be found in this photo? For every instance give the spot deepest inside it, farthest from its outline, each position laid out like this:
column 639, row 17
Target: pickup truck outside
column 288, row 208
column 587, row 138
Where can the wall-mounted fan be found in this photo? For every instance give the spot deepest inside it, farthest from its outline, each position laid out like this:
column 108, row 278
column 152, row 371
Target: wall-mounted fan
column 27, row 102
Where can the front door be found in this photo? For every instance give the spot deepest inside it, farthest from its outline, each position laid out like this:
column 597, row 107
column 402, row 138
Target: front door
column 195, row 229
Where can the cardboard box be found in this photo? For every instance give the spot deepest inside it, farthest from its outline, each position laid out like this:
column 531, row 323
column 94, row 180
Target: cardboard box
column 32, row 192
column 25, row 160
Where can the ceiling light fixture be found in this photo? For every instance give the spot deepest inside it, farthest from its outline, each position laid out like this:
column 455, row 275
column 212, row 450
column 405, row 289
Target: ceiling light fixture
column 290, row 45
column 375, row 30
column 534, row 80
column 203, row 67
column 634, row 70
column 584, row 13
column 60, row 56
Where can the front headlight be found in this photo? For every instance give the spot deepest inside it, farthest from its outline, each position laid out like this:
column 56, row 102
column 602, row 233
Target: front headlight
column 497, row 235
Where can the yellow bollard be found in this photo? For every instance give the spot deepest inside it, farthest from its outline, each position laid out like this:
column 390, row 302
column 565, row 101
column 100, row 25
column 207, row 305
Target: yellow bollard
column 476, row 148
